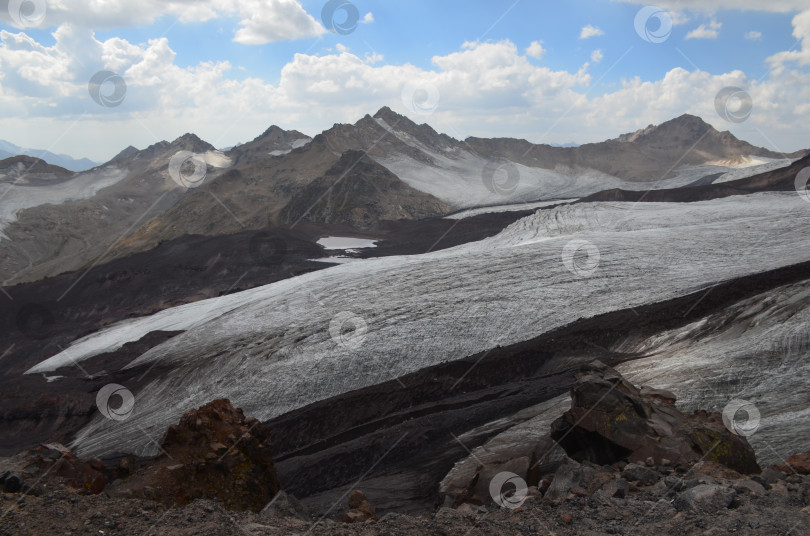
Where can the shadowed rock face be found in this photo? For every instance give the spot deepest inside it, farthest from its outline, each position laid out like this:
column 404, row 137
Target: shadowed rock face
column 362, row 193
column 214, row 453
column 611, row 420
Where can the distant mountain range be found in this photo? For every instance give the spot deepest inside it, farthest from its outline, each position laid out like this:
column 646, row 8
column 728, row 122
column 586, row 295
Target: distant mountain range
column 382, row 168
column 8, row 149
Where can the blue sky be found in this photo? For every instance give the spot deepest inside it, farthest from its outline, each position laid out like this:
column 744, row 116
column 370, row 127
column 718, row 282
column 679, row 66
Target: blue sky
column 227, row 69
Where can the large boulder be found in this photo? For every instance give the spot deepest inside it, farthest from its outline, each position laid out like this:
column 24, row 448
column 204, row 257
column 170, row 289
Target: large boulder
column 611, row 420
column 213, row 453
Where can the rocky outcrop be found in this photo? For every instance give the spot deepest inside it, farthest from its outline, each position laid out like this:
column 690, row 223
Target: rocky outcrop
column 614, row 438
column 213, row 453
column 48, row 465
column 611, row 420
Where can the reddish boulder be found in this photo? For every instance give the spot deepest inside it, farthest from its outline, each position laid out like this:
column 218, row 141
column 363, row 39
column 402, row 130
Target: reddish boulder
column 213, row 453
column 798, row 463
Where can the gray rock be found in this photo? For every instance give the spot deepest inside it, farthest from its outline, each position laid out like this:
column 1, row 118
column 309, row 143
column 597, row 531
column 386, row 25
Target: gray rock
column 284, row 505
column 705, row 498
column 770, row 476
column 618, row 487
column 674, row 483
column 566, row 477
column 749, row 486
column 471, row 510
column 547, row 456
column 692, row 482
column 638, row 473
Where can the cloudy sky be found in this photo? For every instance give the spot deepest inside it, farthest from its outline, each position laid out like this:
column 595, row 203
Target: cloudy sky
column 90, row 77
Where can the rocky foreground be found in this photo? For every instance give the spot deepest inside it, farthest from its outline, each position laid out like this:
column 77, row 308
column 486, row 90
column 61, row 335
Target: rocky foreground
column 622, row 460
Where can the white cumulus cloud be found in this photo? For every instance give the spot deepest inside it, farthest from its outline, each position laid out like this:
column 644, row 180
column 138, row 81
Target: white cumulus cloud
column 485, row 89
column 590, row 31
column 710, row 31
column 260, row 21
column 535, row 50
column 801, row 31
column 711, row 6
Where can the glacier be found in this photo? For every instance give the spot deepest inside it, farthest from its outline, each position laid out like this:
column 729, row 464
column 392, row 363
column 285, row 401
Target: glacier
column 271, row 350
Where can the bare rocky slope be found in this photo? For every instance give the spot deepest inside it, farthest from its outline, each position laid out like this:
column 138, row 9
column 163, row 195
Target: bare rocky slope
column 688, row 474
column 49, row 239
column 360, row 192
column 27, row 169
column 648, row 155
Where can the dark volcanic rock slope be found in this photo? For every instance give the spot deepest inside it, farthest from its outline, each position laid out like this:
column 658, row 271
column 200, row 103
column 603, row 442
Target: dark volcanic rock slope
column 362, row 193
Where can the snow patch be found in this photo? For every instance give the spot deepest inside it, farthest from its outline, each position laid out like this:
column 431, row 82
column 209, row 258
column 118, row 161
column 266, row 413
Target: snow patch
column 218, row 159
column 346, row 242
column 17, row 197
column 506, row 208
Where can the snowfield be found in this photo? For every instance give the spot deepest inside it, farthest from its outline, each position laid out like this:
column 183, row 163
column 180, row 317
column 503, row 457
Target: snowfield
column 15, row 197
column 506, row 208
column 276, row 348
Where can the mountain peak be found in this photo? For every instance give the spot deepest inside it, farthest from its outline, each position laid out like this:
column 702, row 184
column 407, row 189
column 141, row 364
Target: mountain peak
column 390, row 116
column 126, row 152
column 273, row 130
column 688, row 120
column 191, row 142
column 685, row 125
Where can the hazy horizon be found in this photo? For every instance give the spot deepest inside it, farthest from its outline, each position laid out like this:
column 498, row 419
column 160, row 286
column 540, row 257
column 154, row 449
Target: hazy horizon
column 580, row 72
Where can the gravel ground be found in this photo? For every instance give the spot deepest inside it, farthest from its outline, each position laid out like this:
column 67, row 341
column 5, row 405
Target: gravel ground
column 781, row 511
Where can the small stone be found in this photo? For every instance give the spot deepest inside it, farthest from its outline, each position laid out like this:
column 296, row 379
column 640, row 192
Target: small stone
column 638, row 473
column 567, row 519
column 665, row 462
column 750, row 486
column 618, row 487
column 770, row 476
column 12, row 483
column 705, row 498
column 356, row 498
column 650, row 462
column 579, row 492
column 219, row 448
